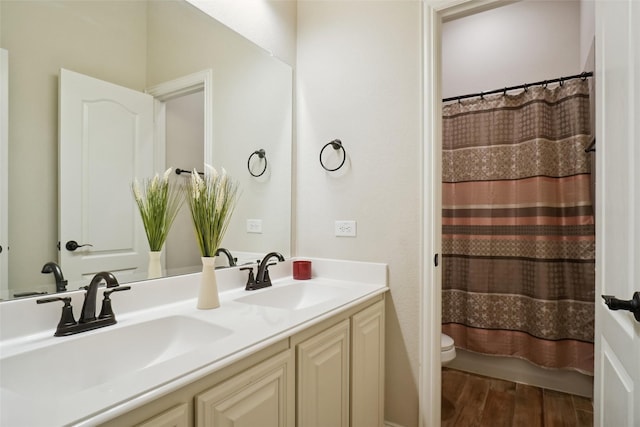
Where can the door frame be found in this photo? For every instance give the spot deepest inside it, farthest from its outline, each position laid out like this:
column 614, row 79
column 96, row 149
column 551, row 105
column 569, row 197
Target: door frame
column 4, row 174
column 186, row 85
column 434, row 13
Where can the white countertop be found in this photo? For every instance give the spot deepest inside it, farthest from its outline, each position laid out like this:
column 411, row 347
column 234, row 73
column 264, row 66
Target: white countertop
column 245, row 329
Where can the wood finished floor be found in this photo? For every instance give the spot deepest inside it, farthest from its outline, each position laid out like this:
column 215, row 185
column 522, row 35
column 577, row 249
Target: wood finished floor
column 473, row 400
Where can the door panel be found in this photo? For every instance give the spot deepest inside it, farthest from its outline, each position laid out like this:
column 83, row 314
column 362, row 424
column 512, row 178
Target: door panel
column 106, row 140
column 617, row 370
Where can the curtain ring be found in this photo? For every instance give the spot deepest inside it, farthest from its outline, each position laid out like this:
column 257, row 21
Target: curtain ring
column 583, row 76
column 261, row 154
column 504, row 92
column 482, row 95
column 544, row 84
column 526, row 87
column 561, row 81
column 336, row 144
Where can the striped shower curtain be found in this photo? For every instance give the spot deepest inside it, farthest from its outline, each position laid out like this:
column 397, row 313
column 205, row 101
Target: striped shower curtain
column 518, row 226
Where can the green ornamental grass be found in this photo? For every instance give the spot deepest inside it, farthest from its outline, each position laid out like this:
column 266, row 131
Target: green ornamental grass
column 211, row 201
column 158, row 202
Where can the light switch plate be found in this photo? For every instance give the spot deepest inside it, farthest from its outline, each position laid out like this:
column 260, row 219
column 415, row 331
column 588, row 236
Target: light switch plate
column 254, row 226
column 345, row 228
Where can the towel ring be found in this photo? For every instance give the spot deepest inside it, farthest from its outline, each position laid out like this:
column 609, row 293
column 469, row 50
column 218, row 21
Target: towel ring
column 261, row 154
column 337, row 145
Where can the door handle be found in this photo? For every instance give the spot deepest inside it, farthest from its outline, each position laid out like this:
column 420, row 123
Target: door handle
column 72, row 245
column 632, row 305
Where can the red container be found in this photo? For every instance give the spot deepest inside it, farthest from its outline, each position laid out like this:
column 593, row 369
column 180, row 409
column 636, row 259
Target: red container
column 302, row 270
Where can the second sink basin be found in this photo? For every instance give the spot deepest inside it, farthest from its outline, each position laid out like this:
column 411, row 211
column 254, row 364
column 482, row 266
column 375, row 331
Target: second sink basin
column 82, row 361
column 292, row 297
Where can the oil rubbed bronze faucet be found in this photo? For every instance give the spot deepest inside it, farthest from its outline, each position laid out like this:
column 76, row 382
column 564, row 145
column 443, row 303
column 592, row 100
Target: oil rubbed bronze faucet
column 227, row 253
column 52, row 267
column 88, row 319
column 262, row 279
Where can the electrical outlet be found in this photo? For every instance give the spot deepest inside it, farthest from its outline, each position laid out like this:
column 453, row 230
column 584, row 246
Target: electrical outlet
column 345, row 228
column 254, row 226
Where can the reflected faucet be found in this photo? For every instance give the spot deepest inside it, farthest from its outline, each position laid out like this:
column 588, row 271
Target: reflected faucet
column 227, row 253
column 89, row 305
column 52, row 267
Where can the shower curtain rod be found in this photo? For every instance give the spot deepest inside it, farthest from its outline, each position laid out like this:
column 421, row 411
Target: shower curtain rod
column 524, row 86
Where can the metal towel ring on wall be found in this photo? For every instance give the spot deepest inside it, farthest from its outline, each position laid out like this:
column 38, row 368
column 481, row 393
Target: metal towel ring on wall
column 337, row 145
column 261, row 154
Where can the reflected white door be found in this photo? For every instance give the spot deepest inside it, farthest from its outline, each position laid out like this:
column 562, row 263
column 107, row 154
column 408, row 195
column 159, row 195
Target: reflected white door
column 106, row 140
column 4, row 174
column 617, row 369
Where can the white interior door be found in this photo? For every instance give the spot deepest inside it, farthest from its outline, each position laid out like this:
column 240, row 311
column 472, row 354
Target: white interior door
column 4, row 174
column 617, row 360
column 106, row 140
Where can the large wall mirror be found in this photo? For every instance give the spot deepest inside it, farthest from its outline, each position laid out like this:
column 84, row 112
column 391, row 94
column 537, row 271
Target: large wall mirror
column 141, row 45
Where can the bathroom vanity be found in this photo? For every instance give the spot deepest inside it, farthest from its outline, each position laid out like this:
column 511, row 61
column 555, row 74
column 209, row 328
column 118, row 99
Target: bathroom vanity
column 302, row 352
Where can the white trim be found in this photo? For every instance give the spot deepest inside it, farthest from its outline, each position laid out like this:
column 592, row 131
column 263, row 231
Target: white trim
column 4, row 173
column 434, row 13
column 202, row 80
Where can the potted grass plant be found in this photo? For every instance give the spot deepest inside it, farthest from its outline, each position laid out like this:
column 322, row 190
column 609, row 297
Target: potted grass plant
column 159, row 201
column 211, row 200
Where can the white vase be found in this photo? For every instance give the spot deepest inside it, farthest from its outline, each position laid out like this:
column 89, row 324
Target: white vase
column 208, row 296
column 154, row 270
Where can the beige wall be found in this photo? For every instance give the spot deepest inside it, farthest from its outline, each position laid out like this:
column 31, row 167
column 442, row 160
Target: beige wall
column 268, row 23
column 359, row 79
column 522, row 42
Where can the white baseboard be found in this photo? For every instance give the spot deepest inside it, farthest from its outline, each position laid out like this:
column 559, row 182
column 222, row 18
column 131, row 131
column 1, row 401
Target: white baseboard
column 521, row 371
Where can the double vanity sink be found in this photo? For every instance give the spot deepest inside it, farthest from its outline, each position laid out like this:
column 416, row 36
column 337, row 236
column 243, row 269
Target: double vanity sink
column 161, row 341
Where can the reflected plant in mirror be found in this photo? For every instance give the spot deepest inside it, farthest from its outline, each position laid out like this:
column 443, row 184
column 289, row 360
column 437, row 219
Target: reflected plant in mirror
column 159, row 201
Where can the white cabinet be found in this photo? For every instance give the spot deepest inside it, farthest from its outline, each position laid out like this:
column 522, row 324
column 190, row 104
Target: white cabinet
column 340, row 372
column 261, row 396
column 323, row 378
column 329, row 374
column 367, row 367
column 174, row 417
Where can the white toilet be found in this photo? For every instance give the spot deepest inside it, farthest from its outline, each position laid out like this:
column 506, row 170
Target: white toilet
column 447, row 349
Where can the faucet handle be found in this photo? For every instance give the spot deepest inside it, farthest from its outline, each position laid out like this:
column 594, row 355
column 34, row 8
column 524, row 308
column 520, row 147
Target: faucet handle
column 251, row 281
column 106, row 312
column 66, row 318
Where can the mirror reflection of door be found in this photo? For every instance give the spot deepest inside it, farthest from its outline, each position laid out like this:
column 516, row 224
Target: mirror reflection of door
column 106, row 140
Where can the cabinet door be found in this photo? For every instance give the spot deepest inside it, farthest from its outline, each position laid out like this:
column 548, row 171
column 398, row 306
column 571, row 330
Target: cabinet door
column 367, row 367
column 260, row 396
column 323, row 378
column 174, row 417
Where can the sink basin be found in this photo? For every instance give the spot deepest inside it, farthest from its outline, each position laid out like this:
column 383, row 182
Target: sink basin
column 82, row 361
column 292, row 297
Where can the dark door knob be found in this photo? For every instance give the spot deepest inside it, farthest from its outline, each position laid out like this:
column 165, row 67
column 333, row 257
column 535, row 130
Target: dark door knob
column 632, row 305
column 72, row 245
